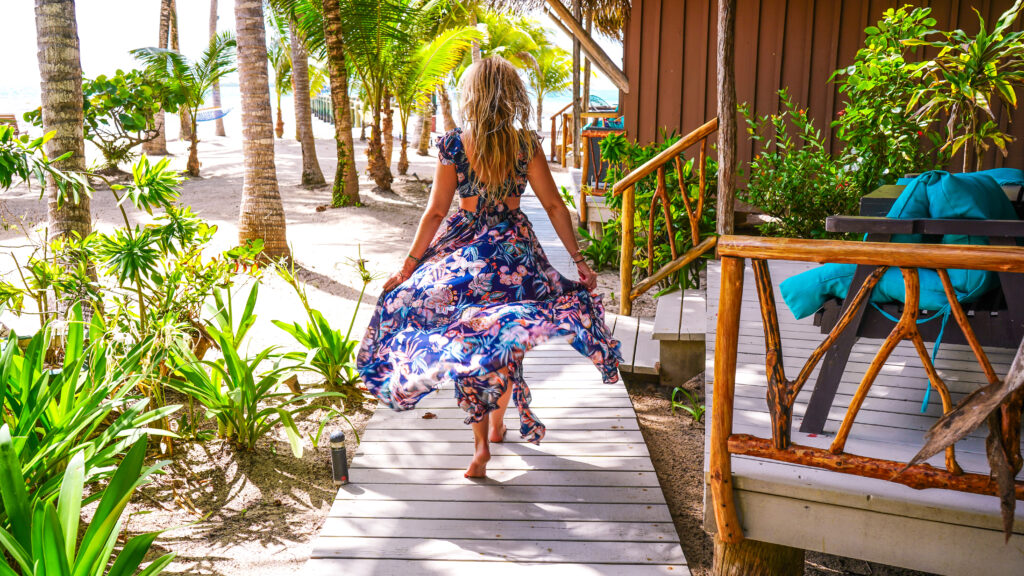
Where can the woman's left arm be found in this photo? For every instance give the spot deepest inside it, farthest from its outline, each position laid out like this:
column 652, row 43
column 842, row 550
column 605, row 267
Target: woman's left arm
column 543, row 185
column 440, row 202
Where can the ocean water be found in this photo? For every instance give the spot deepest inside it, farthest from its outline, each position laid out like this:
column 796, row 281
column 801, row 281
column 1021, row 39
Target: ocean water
column 18, row 100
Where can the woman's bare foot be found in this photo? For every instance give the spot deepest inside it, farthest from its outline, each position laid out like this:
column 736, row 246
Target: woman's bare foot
column 478, row 467
column 497, row 435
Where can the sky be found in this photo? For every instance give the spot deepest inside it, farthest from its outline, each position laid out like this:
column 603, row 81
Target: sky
column 108, row 29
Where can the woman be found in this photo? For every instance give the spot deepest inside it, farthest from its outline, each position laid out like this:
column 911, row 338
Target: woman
column 467, row 305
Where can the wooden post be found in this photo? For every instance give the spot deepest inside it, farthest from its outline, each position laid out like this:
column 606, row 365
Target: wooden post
column 565, row 136
column 554, row 131
column 726, row 116
column 576, row 108
column 726, row 345
column 734, row 555
column 626, row 257
column 754, row 558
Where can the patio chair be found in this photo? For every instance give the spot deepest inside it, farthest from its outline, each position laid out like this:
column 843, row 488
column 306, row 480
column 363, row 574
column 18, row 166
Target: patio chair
column 994, row 302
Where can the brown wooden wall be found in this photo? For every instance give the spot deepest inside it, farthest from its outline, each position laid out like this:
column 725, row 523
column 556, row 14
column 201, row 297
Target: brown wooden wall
column 669, row 58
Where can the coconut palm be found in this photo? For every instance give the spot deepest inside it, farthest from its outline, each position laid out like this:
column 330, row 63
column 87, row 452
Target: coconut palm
column 219, row 122
column 426, row 70
column 262, row 215
column 158, row 145
column 193, row 80
column 553, row 74
column 60, row 68
column 303, row 87
column 280, row 56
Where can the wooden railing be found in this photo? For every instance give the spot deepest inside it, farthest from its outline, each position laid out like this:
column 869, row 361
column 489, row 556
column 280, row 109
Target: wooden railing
column 554, row 131
column 694, row 211
column 782, row 392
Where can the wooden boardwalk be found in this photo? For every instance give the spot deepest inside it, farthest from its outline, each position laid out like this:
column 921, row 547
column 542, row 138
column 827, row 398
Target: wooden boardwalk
column 585, row 502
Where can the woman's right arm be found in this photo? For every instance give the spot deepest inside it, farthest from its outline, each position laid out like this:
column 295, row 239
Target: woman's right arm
column 441, row 195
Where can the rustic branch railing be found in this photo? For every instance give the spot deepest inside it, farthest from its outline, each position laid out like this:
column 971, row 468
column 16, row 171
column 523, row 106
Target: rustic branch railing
column 554, row 131
column 782, row 392
column 694, row 211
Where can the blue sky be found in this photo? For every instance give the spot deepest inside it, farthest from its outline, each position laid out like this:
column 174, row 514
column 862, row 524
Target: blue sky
column 107, row 29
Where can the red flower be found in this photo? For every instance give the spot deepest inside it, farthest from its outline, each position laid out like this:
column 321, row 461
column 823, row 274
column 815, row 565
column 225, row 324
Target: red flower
column 920, row 133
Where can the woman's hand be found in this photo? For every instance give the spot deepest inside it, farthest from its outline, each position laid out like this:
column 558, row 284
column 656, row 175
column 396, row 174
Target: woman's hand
column 587, row 276
column 395, row 280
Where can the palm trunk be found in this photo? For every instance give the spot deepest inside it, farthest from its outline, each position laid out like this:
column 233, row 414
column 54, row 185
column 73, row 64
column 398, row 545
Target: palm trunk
column 60, row 69
column 184, row 115
column 540, row 113
column 312, row 176
column 219, row 122
column 403, row 154
column 279, row 127
column 346, row 180
column 476, row 45
column 192, row 168
column 158, row 145
column 424, row 144
column 380, row 171
column 446, row 109
column 388, row 128
column 262, row 215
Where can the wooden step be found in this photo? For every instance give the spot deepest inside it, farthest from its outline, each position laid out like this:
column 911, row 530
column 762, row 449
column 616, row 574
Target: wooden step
column 640, row 351
column 681, row 316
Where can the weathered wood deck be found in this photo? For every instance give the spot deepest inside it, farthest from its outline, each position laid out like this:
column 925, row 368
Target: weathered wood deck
column 584, row 502
column 934, row 530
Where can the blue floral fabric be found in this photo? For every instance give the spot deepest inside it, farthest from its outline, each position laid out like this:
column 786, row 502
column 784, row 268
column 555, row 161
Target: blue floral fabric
column 484, row 295
column 451, row 151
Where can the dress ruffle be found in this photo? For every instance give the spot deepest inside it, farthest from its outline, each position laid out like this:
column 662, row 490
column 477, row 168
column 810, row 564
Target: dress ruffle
column 484, row 295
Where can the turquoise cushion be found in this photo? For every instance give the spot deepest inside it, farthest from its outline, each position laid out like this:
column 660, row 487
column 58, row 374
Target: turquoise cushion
column 934, row 194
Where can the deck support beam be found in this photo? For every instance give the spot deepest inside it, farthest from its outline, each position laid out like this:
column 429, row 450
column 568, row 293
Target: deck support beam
column 755, row 558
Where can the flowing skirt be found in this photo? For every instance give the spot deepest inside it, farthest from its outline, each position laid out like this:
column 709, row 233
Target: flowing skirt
column 484, row 295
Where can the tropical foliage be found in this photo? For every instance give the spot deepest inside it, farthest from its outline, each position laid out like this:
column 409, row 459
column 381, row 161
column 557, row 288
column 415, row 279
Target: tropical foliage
column 191, row 80
column 968, row 78
column 883, row 139
column 551, row 75
column 794, row 179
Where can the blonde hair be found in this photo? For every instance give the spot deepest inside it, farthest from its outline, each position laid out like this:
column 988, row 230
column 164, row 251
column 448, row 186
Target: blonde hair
column 494, row 101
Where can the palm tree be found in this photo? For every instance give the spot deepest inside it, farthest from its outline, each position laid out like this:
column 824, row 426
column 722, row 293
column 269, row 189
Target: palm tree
column 191, row 79
column 60, row 68
column 552, row 75
column 219, row 122
column 280, row 56
column 262, row 214
column 158, row 145
column 425, row 112
column 423, row 73
column 184, row 116
column 312, row 176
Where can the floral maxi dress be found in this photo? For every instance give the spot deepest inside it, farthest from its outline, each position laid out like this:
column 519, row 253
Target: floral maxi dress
column 484, row 294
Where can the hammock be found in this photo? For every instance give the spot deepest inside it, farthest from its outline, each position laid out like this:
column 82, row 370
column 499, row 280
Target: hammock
column 208, row 114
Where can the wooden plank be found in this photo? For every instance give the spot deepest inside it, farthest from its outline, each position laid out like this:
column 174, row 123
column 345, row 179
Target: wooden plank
column 555, row 423
column 648, row 350
column 465, row 448
column 693, row 320
column 667, row 316
column 382, row 567
column 405, row 435
column 510, row 462
column 624, row 330
column 507, row 477
column 512, row 529
column 498, row 550
column 455, row 413
column 499, row 493
column 581, row 512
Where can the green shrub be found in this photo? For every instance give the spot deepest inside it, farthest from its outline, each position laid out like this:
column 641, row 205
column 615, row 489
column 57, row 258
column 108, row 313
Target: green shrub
column 624, row 156
column 883, row 138
column 794, row 180
column 328, row 353
column 45, row 540
column 84, row 407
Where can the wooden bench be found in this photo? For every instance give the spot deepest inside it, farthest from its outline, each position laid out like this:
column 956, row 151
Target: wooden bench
column 640, row 351
column 803, row 507
column 679, row 328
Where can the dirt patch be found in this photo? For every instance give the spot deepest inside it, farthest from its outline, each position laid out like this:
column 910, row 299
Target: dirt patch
column 676, row 444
